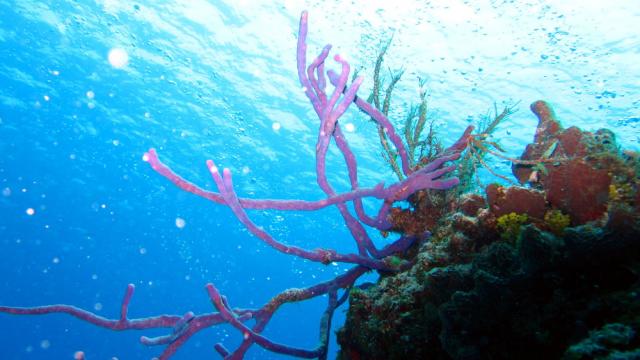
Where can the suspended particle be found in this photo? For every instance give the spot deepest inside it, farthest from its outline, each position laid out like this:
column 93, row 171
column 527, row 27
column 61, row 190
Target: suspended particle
column 118, row 58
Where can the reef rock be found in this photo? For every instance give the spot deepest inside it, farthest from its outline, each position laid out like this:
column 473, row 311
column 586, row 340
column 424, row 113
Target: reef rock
column 577, row 169
column 565, row 283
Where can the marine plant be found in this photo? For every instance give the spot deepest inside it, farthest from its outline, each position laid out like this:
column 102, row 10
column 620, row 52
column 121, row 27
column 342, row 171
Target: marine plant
column 414, row 123
column 329, row 106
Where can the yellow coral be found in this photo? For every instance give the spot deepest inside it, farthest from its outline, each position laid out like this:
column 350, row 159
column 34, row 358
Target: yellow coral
column 613, row 193
column 621, row 193
column 556, row 221
column 509, row 225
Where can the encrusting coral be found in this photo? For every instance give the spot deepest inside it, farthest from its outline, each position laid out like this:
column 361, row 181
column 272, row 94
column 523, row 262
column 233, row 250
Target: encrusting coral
column 509, row 225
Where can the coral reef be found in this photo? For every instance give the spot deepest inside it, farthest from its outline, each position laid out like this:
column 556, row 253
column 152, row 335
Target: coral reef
column 589, row 168
column 546, row 271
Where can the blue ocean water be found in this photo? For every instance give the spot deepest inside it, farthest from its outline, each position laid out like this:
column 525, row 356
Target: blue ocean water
column 82, row 215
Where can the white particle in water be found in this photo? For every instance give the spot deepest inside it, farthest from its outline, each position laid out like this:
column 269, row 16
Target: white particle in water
column 118, row 58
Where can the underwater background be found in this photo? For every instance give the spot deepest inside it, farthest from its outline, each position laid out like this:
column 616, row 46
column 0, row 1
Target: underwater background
column 86, row 87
